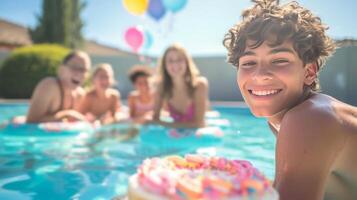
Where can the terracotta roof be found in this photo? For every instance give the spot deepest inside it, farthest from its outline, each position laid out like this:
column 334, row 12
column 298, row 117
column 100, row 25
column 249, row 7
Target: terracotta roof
column 13, row 34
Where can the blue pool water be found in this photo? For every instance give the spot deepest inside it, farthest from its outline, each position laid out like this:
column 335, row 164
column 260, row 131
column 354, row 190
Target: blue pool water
column 78, row 168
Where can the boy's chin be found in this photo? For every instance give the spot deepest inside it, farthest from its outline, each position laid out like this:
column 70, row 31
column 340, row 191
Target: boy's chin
column 261, row 112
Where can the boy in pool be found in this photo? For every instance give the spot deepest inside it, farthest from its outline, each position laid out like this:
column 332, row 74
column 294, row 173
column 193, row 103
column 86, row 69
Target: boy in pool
column 279, row 50
column 57, row 98
column 102, row 102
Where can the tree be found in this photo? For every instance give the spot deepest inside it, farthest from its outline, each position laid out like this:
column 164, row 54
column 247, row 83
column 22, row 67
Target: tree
column 60, row 23
column 77, row 24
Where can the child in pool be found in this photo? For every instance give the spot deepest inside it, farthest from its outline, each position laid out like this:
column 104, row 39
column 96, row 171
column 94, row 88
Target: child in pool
column 141, row 100
column 58, row 98
column 182, row 89
column 278, row 51
column 102, row 102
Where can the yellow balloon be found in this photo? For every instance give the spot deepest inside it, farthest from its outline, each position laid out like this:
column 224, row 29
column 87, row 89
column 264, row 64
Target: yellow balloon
column 136, row 7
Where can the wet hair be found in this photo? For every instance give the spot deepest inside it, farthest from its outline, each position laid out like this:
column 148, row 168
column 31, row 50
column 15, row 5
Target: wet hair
column 139, row 71
column 268, row 21
column 191, row 73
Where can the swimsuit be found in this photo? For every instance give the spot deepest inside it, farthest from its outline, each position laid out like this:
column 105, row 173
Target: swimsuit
column 62, row 95
column 182, row 117
column 141, row 108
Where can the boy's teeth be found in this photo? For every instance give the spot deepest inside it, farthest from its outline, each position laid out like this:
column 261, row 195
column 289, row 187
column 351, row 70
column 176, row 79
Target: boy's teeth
column 264, row 92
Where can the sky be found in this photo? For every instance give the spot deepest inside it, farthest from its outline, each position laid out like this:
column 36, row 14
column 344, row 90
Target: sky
column 200, row 26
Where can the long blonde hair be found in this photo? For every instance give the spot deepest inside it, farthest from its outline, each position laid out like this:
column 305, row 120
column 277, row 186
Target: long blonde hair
column 191, row 74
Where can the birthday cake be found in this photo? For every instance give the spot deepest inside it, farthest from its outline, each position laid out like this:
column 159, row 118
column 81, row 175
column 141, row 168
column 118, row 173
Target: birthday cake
column 198, row 177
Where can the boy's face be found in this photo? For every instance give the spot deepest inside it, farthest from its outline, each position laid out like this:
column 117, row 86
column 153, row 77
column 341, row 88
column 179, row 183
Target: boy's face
column 103, row 79
column 271, row 79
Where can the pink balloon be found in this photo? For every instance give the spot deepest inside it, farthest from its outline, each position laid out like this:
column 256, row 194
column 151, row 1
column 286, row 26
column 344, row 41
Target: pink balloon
column 134, row 36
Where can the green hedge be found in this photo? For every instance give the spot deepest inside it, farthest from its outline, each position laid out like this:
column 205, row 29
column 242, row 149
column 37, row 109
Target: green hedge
column 26, row 66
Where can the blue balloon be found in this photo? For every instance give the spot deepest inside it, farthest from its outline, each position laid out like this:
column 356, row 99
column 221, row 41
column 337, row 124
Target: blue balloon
column 156, row 9
column 148, row 40
column 174, row 5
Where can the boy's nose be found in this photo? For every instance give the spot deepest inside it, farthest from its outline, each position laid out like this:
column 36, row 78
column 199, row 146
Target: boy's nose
column 262, row 73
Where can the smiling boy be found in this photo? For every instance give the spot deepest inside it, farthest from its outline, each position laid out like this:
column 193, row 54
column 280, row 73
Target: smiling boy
column 279, row 50
column 57, row 98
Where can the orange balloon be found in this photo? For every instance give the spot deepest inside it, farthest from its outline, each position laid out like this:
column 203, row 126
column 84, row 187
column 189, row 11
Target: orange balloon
column 136, row 7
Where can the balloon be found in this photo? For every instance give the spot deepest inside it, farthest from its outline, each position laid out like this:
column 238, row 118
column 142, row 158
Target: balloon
column 136, row 7
column 156, row 9
column 148, row 40
column 174, row 5
column 134, row 37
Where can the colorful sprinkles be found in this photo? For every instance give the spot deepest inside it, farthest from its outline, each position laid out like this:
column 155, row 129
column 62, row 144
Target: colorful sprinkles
column 200, row 177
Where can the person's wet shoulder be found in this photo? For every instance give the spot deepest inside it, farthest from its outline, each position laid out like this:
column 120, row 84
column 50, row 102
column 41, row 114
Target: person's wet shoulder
column 114, row 93
column 314, row 115
column 48, row 84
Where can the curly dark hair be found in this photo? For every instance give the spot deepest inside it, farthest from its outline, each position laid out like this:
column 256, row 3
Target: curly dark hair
column 268, row 21
column 138, row 71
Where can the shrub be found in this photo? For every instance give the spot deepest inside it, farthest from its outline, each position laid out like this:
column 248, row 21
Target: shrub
column 26, row 66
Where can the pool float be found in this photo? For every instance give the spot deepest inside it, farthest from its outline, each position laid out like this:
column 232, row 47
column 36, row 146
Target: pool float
column 198, row 177
column 50, row 129
column 47, row 129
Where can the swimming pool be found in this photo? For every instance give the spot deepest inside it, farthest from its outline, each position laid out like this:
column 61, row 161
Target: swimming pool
column 74, row 168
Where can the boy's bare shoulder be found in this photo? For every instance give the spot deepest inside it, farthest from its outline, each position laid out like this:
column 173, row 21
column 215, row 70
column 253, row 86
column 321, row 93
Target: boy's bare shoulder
column 308, row 128
column 317, row 115
column 347, row 115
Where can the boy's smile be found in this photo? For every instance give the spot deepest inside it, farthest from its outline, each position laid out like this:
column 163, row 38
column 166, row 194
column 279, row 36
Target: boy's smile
column 271, row 78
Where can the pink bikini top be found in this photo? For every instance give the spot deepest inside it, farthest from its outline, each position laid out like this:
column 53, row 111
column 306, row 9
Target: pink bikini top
column 182, row 117
column 141, row 108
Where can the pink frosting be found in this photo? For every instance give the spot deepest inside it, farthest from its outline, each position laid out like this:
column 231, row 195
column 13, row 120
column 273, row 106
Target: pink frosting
column 197, row 176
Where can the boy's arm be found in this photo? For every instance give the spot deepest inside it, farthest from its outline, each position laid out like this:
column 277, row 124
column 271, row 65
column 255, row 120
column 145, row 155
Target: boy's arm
column 306, row 148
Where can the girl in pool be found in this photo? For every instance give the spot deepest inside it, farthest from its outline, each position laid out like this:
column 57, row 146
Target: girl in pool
column 141, row 100
column 102, row 102
column 181, row 89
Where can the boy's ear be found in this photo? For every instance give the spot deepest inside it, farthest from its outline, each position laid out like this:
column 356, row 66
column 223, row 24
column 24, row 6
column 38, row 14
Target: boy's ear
column 310, row 73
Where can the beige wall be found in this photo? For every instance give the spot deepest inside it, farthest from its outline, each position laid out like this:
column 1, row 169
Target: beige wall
column 338, row 78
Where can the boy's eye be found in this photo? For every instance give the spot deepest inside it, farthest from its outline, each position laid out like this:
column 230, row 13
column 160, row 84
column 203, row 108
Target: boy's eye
column 280, row 61
column 248, row 64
